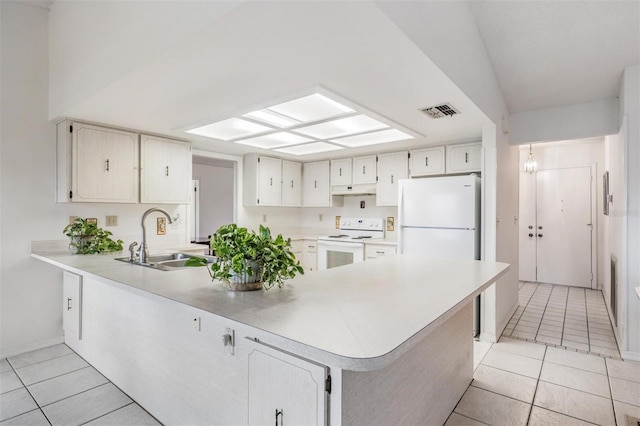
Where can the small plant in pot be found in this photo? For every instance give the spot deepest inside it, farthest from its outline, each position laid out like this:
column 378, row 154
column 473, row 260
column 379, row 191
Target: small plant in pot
column 246, row 260
column 88, row 238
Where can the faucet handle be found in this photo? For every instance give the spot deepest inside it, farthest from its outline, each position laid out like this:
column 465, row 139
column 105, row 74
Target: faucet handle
column 132, row 250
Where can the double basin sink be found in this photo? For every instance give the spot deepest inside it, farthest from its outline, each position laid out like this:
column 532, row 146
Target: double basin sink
column 167, row 262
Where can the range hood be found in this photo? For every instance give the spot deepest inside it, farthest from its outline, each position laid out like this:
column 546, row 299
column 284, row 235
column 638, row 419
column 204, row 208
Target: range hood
column 357, row 189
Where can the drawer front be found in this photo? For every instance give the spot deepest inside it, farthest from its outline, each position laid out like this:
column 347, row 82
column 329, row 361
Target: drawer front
column 373, row 251
column 310, row 245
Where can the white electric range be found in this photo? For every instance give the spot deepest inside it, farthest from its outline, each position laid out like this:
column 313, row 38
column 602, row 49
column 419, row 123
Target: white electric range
column 347, row 245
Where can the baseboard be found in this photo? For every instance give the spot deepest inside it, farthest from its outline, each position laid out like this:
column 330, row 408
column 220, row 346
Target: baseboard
column 31, row 347
column 630, row 356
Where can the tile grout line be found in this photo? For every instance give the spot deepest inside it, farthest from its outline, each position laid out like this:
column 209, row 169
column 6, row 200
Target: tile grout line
column 541, row 318
column 71, row 396
column 606, row 368
column 586, row 309
column 36, row 363
column 535, row 391
column 106, row 414
column 30, row 394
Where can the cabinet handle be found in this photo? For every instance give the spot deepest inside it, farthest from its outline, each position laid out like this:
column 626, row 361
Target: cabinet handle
column 315, row 183
column 391, row 178
column 68, row 303
column 426, row 161
column 271, row 181
column 379, row 252
column 279, row 413
column 466, row 157
column 364, row 170
column 292, row 183
column 166, row 171
column 340, row 171
column 107, row 164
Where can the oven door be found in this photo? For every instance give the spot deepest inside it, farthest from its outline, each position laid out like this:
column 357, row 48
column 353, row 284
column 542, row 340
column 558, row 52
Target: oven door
column 332, row 254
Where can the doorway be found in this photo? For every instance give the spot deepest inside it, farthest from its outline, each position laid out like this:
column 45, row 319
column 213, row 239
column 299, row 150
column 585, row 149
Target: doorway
column 213, row 200
column 557, row 221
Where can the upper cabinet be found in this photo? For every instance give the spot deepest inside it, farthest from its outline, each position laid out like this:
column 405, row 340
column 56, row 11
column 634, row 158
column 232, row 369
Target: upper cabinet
column 364, row 169
column 262, row 180
column 101, row 164
column 464, row 158
column 341, row 171
column 165, row 177
column 316, row 185
column 97, row 164
column 291, row 183
column 426, row 162
column 391, row 168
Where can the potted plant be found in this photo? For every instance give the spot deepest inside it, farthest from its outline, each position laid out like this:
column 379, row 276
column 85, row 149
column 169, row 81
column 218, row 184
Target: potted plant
column 88, row 238
column 246, row 260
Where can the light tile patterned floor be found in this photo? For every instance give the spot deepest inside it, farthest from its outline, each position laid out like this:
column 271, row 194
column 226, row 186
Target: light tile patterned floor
column 54, row 386
column 564, row 317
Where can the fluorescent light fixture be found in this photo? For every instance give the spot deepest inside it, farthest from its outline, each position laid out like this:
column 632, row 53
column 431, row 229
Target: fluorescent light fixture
column 382, row 136
column 275, row 140
column 232, row 128
column 311, row 108
column 310, row 148
column 342, row 127
column 271, row 117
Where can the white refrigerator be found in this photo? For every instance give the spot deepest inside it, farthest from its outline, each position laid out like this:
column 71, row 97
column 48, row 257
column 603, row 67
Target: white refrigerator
column 440, row 216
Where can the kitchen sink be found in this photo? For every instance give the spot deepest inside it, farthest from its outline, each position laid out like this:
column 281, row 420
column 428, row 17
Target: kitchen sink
column 167, row 262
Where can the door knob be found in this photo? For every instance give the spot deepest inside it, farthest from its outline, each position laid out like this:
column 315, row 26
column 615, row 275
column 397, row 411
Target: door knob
column 540, row 235
column 530, row 226
column 539, row 227
column 530, row 235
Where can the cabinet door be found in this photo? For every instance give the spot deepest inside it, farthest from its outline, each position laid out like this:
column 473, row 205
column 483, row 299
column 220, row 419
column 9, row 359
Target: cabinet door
column 165, row 177
column 391, row 168
column 464, row 158
column 291, row 183
column 309, row 252
column 104, row 165
column 425, row 162
column 285, row 389
column 372, row 251
column 341, row 171
column 269, row 181
column 364, row 169
column 72, row 305
column 316, row 190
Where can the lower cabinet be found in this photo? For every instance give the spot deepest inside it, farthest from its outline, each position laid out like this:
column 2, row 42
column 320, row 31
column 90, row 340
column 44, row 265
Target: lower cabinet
column 309, row 253
column 72, row 305
column 285, row 389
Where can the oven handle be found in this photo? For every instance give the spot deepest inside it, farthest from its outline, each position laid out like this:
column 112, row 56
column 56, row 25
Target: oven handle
column 330, row 244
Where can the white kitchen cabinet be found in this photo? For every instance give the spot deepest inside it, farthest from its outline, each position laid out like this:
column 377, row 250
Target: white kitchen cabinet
column 341, row 171
column 316, row 185
column 372, row 251
column 291, row 183
column 364, row 169
column 97, row 164
column 285, row 389
column 165, row 176
column 262, row 180
column 464, row 158
column 427, row 161
column 72, row 305
column 309, row 253
column 391, row 168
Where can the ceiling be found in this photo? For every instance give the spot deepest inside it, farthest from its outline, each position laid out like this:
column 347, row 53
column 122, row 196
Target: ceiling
column 254, row 54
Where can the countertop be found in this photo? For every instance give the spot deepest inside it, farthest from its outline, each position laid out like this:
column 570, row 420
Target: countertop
column 360, row 314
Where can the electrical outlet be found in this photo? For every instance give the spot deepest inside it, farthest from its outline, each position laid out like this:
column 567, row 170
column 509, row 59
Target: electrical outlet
column 337, row 222
column 197, row 323
column 320, row 217
column 161, row 226
column 264, row 218
column 111, row 221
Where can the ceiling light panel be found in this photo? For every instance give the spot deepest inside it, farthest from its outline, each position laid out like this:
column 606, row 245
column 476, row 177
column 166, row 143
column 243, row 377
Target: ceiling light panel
column 310, row 148
column 232, row 128
column 275, row 140
column 311, row 108
column 272, row 117
column 342, row 127
column 382, row 136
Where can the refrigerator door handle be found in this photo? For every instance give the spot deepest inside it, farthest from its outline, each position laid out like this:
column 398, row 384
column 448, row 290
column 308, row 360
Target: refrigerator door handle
column 400, row 216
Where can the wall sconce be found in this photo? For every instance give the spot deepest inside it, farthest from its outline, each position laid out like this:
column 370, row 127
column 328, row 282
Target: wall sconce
column 531, row 165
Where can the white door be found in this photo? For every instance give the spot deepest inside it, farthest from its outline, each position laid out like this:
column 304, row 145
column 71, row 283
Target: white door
column 564, row 226
column 270, row 181
column 291, row 183
column 316, row 188
column 391, row 168
column 166, row 170
column 364, row 169
column 341, row 171
column 285, row 389
column 527, row 228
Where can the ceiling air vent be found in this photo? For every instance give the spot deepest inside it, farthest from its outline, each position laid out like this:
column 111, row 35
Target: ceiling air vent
column 439, row 111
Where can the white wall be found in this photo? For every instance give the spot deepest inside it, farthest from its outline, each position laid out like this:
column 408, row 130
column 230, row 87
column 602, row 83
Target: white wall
column 31, row 293
column 578, row 153
column 589, row 119
column 216, row 197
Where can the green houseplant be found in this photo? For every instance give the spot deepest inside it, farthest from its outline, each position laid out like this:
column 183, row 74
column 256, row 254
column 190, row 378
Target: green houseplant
column 88, row 238
column 246, row 260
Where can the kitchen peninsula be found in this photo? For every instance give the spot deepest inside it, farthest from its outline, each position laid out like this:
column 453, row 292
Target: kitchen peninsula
column 387, row 341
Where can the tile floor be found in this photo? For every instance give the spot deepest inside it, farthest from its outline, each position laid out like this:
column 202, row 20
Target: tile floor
column 565, row 317
column 54, row 386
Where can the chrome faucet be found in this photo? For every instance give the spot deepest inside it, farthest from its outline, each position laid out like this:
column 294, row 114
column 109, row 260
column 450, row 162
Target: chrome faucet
column 144, row 251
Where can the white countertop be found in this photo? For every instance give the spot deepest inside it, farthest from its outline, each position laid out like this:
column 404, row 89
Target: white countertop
column 361, row 313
